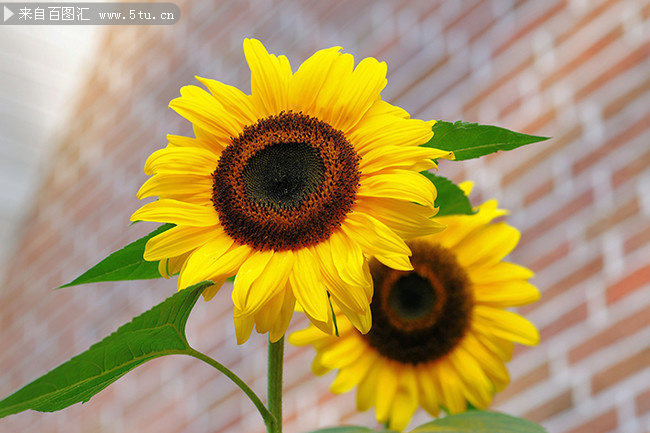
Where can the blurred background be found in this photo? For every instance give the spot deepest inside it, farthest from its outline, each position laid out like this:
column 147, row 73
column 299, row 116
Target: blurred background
column 81, row 108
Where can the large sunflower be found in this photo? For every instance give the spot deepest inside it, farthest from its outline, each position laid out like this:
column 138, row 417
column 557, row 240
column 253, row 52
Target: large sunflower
column 441, row 333
column 291, row 188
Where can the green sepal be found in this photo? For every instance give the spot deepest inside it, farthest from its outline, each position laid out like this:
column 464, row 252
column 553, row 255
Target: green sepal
column 476, row 421
column 451, row 200
column 125, row 264
column 157, row 332
column 471, row 140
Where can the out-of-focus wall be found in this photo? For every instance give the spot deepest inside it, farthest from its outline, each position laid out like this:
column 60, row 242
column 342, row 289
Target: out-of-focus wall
column 575, row 70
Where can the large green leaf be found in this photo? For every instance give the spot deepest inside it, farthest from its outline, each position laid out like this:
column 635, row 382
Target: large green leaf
column 451, row 200
column 160, row 331
column 124, row 264
column 471, row 140
column 475, row 421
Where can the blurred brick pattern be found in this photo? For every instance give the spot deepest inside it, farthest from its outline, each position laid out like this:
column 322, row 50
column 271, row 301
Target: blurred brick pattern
column 575, row 70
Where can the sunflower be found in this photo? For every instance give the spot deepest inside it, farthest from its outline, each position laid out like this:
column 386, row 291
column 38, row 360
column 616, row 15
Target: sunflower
column 441, row 334
column 291, row 189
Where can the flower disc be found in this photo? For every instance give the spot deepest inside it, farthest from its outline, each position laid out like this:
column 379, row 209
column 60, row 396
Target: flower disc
column 421, row 315
column 285, row 183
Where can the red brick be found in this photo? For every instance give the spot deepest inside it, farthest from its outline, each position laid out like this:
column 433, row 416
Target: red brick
column 623, row 328
column 637, row 56
column 576, row 277
column 550, row 408
column 637, row 240
column 588, row 17
column 642, row 403
column 613, row 144
column 605, row 422
column 575, row 61
column 617, row 105
column 547, row 148
column 544, row 261
column 562, row 214
column 628, row 285
column 617, row 216
column 542, row 190
column 631, row 170
column 527, row 381
column 620, row 371
column 574, row 317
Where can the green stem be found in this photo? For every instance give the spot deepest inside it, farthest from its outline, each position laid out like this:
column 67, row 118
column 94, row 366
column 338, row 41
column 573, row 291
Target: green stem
column 269, row 419
column 274, row 386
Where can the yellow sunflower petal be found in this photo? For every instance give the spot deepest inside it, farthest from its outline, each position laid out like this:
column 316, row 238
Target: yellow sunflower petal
column 487, row 245
column 361, row 320
column 179, row 240
column 201, row 108
column 279, row 327
column 270, row 77
column 378, row 240
column 450, row 386
column 348, row 378
column 499, row 272
column 506, row 324
column 233, row 100
column 344, row 353
column 213, row 145
column 243, row 326
column 459, row 226
column 479, row 389
column 400, row 185
column 349, row 261
column 416, row 158
column 367, row 390
column 177, row 212
column 506, row 293
column 493, row 366
column 262, row 276
column 387, row 383
column 406, row 400
column 169, row 185
column 408, row 220
column 213, row 261
column 308, row 287
column 428, row 390
column 309, row 79
column 191, row 160
column 386, row 130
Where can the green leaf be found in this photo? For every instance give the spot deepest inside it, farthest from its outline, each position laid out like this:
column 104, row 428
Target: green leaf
column 471, row 140
column 124, row 264
column 451, row 200
column 475, row 421
column 160, row 331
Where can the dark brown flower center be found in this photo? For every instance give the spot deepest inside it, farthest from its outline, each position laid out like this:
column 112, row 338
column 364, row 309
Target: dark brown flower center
column 285, row 183
column 420, row 316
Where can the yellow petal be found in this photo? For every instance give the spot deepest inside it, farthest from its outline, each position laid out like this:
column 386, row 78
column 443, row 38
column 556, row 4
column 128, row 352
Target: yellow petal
column 506, row 324
column 402, row 157
column 487, row 245
column 400, row 185
column 233, row 100
column 270, row 76
column 213, row 261
column 213, row 145
column 459, row 226
column 345, row 352
column 408, row 220
column 172, row 185
column 478, row 388
column 493, row 366
column 428, row 390
column 362, row 320
column 179, row 240
column 308, row 287
column 177, row 212
column 406, row 400
column 387, row 130
column 243, row 327
column 387, row 382
column 499, row 272
column 190, row 160
column 201, row 108
column 279, row 327
column 376, row 239
column 349, row 377
column 308, row 80
column 506, row 293
column 450, row 386
column 367, row 391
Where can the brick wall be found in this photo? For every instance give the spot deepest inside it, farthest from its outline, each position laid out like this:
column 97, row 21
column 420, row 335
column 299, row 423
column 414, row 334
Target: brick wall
column 576, row 70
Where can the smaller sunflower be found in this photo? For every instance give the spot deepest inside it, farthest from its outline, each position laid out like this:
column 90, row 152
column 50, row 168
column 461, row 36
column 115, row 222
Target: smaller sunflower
column 441, row 334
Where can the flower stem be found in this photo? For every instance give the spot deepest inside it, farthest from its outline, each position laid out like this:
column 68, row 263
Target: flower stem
column 268, row 417
column 274, row 386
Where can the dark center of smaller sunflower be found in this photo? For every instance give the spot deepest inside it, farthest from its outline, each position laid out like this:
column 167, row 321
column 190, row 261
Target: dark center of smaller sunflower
column 412, row 297
column 420, row 316
column 282, row 175
column 285, row 183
